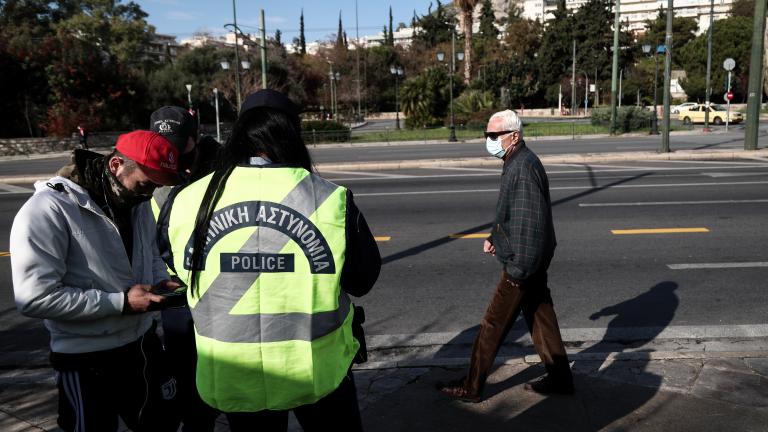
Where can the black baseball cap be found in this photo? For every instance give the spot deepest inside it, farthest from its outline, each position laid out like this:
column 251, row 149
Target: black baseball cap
column 174, row 123
column 269, row 98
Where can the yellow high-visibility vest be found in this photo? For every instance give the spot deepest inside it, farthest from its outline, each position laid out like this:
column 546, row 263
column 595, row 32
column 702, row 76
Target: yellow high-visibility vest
column 273, row 327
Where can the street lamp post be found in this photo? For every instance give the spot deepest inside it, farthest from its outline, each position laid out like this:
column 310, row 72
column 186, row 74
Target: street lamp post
column 237, row 59
column 245, row 65
column 396, row 72
column 218, row 126
column 452, row 65
column 654, row 116
column 189, row 96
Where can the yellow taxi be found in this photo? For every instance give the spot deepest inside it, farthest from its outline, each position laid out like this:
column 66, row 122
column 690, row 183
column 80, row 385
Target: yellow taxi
column 717, row 115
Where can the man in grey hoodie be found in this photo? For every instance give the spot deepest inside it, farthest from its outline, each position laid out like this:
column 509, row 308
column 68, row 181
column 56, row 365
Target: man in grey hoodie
column 84, row 258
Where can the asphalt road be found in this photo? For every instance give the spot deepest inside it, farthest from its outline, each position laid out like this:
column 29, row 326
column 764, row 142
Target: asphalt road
column 389, row 124
column 380, row 152
column 433, row 283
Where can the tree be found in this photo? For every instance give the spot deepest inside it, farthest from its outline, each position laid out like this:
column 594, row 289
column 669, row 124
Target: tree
column 386, row 36
column 554, row 54
column 731, row 37
column 340, row 35
column 466, row 9
column 743, row 8
column 435, row 28
column 424, row 98
column 488, row 30
column 391, row 39
column 302, row 40
column 683, row 31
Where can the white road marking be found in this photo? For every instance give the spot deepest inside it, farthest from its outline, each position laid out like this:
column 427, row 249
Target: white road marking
column 426, row 192
column 436, row 192
column 716, row 265
column 488, row 170
column 660, row 203
column 582, row 334
column 758, row 158
column 369, row 174
column 741, row 174
column 14, row 189
column 597, row 170
column 489, row 173
column 711, row 162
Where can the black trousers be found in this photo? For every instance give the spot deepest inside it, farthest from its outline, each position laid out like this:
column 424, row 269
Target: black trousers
column 179, row 335
column 336, row 412
column 130, row 382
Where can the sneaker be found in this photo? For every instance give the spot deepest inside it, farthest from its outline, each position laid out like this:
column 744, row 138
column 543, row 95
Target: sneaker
column 546, row 386
column 456, row 390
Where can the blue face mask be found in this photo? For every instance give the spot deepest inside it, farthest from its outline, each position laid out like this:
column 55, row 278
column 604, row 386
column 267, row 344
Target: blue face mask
column 494, row 147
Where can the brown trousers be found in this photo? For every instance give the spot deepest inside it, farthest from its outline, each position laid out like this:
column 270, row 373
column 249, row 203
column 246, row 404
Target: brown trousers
column 534, row 300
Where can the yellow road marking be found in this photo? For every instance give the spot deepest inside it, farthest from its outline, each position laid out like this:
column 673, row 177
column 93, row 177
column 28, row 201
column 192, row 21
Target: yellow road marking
column 469, row 236
column 383, row 238
column 5, row 254
column 661, row 231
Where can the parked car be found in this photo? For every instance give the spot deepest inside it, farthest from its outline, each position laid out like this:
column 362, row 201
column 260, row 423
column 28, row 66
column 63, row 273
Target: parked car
column 682, row 107
column 717, row 115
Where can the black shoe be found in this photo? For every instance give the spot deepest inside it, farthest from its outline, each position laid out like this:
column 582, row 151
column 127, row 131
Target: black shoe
column 456, row 390
column 546, row 386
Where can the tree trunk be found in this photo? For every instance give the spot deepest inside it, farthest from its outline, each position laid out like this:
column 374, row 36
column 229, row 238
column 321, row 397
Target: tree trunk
column 467, row 29
column 765, row 61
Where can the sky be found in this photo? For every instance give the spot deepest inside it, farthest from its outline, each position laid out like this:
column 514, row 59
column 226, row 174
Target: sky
column 181, row 18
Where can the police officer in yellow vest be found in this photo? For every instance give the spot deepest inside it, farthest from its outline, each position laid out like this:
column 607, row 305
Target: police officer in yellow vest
column 270, row 252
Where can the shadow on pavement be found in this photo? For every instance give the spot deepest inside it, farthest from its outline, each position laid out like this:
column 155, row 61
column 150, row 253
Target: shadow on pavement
column 609, row 395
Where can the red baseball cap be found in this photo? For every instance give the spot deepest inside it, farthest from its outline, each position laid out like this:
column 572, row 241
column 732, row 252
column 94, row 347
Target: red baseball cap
column 156, row 156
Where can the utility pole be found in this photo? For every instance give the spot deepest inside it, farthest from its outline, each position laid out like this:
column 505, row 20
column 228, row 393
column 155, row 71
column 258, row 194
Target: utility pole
column 615, row 67
column 755, row 92
column 708, row 87
column 667, row 77
column 357, row 60
column 573, row 81
column 263, row 52
column 452, row 135
column 237, row 61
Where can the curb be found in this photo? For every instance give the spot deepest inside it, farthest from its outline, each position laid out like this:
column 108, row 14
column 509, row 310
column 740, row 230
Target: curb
column 493, row 162
column 545, row 159
column 572, row 356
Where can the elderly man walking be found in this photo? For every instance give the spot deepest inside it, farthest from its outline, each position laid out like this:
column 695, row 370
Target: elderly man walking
column 523, row 240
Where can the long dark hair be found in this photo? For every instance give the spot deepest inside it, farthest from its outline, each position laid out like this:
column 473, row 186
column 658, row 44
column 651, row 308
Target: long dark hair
column 259, row 131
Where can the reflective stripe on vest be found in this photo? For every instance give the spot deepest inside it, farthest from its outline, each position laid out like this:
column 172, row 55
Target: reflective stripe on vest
column 270, row 289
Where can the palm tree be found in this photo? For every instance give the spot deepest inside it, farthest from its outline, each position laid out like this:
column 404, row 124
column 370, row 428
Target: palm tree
column 466, row 9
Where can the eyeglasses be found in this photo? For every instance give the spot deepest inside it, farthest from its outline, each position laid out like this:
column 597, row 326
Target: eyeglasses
column 495, row 135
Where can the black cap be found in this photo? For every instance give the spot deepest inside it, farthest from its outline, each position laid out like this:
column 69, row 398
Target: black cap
column 174, row 123
column 269, row 98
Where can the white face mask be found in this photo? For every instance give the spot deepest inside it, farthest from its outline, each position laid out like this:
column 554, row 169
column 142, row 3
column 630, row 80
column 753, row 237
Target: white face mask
column 494, row 147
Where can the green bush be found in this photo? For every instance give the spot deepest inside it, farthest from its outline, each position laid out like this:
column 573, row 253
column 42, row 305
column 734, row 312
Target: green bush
column 474, row 120
column 315, row 131
column 628, row 119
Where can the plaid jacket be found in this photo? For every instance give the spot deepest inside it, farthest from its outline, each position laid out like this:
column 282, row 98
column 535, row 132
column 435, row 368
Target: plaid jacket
column 523, row 232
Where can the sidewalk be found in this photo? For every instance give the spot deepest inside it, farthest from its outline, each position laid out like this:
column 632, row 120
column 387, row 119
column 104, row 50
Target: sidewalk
column 681, row 385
